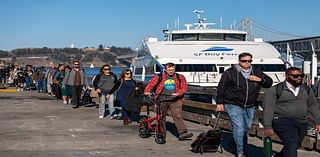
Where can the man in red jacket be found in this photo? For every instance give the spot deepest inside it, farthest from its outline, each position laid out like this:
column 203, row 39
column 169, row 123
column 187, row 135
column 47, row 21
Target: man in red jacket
column 170, row 89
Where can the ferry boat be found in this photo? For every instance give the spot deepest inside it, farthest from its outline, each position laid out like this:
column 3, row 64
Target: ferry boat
column 202, row 54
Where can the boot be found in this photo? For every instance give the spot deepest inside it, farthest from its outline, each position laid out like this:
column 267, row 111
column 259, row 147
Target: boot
column 125, row 121
column 129, row 120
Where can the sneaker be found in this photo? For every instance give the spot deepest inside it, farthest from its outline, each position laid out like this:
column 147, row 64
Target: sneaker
column 185, row 136
column 64, row 102
column 114, row 116
column 100, row 117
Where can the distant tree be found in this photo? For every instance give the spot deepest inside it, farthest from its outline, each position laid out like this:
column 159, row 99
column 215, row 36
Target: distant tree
column 100, row 47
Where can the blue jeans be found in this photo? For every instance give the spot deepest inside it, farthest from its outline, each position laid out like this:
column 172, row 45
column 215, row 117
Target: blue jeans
column 28, row 82
column 241, row 119
column 40, row 85
column 102, row 106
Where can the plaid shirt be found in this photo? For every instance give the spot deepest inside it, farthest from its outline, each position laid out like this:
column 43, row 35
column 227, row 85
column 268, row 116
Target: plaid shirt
column 181, row 84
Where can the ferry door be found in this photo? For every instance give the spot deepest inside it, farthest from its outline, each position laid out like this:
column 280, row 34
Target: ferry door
column 221, row 68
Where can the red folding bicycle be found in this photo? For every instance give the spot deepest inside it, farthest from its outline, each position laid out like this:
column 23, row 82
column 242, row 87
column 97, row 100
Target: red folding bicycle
column 152, row 125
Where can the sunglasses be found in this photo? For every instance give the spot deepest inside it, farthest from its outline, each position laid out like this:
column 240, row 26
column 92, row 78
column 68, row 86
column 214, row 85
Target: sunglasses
column 76, row 64
column 106, row 69
column 128, row 73
column 245, row 61
column 296, row 75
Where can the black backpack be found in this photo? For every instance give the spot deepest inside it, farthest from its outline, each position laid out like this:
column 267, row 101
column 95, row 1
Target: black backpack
column 86, row 98
column 209, row 141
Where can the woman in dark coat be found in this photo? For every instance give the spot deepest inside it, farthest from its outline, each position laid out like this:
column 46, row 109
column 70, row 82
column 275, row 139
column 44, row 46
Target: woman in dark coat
column 124, row 87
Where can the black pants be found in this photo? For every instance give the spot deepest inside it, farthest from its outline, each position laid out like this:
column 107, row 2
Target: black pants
column 56, row 90
column 76, row 94
column 291, row 134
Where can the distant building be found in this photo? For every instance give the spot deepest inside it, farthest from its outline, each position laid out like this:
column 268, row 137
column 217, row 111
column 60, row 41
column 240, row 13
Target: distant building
column 107, row 49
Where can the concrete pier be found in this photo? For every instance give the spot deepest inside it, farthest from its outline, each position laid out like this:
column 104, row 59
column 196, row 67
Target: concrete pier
column 37, row 125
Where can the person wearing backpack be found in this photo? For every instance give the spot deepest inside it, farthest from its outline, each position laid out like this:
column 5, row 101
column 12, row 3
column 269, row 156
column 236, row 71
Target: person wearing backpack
column 287, row 108
column 237, row 93
column 170, row 89
column 103, row 83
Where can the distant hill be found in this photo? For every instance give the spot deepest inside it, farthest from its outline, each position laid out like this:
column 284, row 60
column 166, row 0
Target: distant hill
column 43, row 56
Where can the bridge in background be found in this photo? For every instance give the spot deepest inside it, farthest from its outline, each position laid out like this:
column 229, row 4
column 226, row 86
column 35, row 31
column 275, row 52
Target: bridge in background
column 306, row 49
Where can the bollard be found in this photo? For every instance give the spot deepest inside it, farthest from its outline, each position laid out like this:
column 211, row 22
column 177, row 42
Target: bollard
column 267, row 147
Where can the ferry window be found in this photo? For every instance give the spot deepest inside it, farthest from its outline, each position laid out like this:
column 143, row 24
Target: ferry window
column 183, row 67
column 196, row 68
column 211, row 37
column 184, row 37
column 138, row 71
column 270, row 67
column 235, row 37
column 199, row 67
column 158, row 68
column 149, row 70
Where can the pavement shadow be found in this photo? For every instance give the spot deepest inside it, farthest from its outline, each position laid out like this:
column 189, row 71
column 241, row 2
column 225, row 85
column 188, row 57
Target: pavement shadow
column 88, row 104
column 171, row 127
column 252, row 150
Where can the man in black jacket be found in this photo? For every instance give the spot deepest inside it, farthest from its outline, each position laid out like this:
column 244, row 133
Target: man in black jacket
column 287, row 107
column 237, row 92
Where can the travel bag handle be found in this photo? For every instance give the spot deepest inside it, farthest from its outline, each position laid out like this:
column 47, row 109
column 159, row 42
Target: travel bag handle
column 217, row 120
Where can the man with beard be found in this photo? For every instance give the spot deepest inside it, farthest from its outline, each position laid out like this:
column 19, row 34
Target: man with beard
column 77, row 79
column 287, row 107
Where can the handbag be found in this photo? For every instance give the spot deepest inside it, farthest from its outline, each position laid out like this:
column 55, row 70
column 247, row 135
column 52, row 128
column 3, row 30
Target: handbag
column 147, row 100
column 94, row 93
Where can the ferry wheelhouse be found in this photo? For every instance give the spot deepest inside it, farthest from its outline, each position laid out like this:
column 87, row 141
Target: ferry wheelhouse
column 202, row 54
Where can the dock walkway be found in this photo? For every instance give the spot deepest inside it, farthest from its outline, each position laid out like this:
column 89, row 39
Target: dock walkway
column 34, row 124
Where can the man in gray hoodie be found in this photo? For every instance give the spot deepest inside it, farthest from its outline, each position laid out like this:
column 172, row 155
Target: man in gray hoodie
column 287, row 106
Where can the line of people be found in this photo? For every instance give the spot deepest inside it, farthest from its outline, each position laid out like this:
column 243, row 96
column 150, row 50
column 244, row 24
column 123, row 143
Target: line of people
column 59, row 82
column 26, row 78
column 287, row 114
column 121, row 95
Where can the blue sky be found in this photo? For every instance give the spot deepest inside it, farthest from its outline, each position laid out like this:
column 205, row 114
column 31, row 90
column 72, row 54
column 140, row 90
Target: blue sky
column 124, row 23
